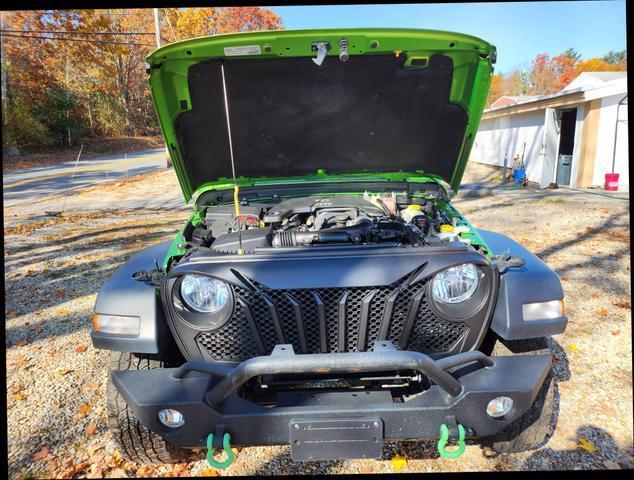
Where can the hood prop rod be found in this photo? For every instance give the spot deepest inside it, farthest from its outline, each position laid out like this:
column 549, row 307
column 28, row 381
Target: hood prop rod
column 236, row 198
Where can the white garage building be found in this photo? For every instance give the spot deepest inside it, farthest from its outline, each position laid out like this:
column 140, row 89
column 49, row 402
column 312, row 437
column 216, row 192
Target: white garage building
column 573, row 137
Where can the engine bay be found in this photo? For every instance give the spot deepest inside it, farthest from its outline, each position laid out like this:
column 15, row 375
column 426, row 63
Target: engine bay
column 331, row 219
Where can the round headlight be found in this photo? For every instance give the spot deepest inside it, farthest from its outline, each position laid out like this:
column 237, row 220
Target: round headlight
column 456, row 284
column 204, row 294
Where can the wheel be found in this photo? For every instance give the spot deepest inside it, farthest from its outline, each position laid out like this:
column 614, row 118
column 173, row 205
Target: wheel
column 533, row 429
column 136, row 442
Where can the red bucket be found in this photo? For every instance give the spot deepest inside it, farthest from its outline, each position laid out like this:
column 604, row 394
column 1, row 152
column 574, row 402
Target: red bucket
column 612, row 181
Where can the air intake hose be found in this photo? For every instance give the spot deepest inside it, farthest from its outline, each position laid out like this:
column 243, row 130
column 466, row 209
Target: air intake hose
column 294, row 238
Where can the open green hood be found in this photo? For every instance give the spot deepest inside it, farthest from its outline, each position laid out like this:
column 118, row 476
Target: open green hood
column 403, row 101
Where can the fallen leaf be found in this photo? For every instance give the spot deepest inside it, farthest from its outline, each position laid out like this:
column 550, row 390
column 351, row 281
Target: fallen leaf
column 93, row 448
column 615, row 332
column 22, row 343
column 19, row 396
column 20, row 361
column 145, row 471
column 210, row 472
column 16, row 389
column 84, row 408
column 611, row 465
column 573, row 347
column 12, row 314
column 116, row 457
column 586, row 445
column 602, row 312
column 608, row 409
column 62, row 311
column 117, row 473
column 622, row 304
column 80, row 349
column 398, row 462
column 62, row 371
column 41, row 454
column 69, row 473
column 91, row 430
column 59, row 293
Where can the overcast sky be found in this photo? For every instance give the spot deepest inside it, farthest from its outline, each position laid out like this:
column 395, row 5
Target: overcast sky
column 518, row 30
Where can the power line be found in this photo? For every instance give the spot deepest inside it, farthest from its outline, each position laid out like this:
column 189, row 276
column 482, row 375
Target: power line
column 77, row 33
column 76, row 40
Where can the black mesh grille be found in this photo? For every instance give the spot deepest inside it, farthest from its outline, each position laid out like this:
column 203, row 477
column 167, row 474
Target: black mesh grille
column 234, row 340
column 284, row 312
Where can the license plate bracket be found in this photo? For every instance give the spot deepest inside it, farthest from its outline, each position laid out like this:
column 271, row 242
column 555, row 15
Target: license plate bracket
column 336, row 438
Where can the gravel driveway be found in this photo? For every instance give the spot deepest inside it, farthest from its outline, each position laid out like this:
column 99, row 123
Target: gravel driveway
column 56, row 380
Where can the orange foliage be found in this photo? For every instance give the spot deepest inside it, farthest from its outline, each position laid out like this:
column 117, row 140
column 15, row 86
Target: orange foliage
column 565, row 69
column 495, row 90
column 598, row 65
column 66, row 89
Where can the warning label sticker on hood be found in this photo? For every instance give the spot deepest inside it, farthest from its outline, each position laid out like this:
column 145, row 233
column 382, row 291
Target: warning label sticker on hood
column 244, row 50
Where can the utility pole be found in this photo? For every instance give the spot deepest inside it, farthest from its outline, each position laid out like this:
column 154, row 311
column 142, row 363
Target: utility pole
column 3, row 62
column 157, row 27
column 68, row 98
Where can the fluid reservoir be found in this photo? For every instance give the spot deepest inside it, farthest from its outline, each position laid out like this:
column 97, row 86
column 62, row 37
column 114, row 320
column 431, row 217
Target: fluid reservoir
column 411, row 211
column 452, row 233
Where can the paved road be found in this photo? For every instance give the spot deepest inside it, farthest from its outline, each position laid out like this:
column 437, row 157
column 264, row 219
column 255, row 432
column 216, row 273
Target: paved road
column 33, row 184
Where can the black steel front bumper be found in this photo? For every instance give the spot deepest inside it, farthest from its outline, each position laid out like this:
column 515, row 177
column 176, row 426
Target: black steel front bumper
column 208, row 394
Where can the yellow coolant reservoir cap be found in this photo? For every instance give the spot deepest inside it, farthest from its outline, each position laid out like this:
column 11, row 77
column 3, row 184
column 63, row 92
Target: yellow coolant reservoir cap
column 414, row 207
column 446, row 228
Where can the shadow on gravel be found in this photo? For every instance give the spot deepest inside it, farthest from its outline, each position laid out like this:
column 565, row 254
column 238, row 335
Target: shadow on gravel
column 606, row 449
column 13, row 253
column 282, row 464
column 608, row 224
column 78, row 278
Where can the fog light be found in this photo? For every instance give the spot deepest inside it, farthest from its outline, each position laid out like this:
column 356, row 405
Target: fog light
column 171, row 418
column 499, row 406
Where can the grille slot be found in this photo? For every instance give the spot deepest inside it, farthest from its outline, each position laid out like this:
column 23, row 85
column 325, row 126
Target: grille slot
column 368, row 314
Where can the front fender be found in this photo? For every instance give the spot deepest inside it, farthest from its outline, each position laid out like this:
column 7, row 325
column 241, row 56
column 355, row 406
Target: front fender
column 531, row 283
column 122, row 295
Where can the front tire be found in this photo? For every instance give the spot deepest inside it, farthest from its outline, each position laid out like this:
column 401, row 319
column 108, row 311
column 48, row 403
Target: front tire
column 533, row 429
column 136, row 442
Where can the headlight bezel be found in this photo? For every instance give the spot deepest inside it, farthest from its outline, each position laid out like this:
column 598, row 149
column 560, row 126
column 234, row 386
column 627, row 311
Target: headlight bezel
column 203, row 321
column 472, row 305
column 464, row 297
column 216, row 283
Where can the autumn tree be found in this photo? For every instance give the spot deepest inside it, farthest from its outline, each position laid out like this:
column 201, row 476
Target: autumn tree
column 565, row 72
column 597, row 65
column 182, row 23
column 613, row 58
column 542, row 76
column 495, row 90
column 515, row 84
column 571, row 54
column 60, row 90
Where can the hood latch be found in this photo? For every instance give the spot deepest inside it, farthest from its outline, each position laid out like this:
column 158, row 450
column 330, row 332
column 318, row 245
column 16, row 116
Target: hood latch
column 321, row 48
